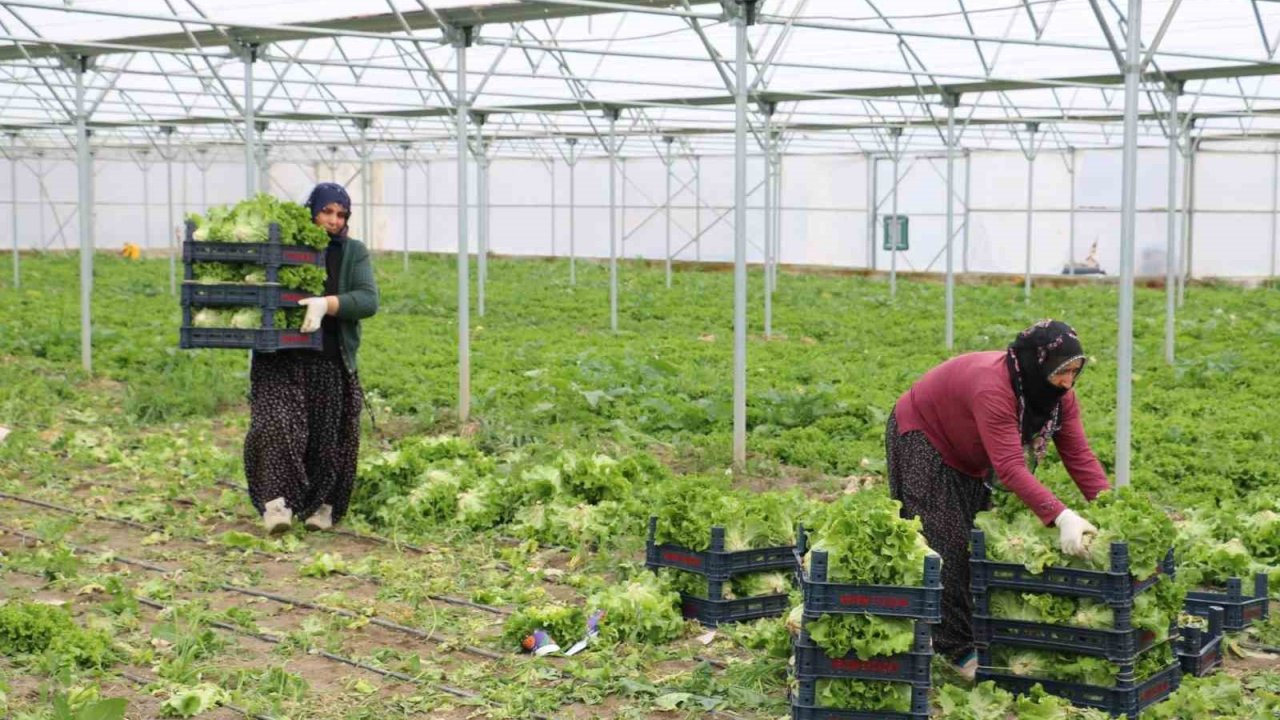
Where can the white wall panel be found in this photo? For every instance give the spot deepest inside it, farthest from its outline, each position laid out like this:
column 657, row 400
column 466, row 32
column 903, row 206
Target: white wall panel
column 824, row 214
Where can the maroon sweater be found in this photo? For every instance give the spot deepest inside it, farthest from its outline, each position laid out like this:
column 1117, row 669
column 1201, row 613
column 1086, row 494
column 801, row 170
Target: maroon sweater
column 967, row 410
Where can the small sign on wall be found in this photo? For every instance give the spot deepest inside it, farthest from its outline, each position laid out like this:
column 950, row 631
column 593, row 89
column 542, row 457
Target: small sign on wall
column 903, row 234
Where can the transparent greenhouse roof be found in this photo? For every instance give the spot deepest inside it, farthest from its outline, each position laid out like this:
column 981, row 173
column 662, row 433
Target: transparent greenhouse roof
column 839, row 73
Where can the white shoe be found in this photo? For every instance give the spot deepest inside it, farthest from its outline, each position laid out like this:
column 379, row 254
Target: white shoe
column 276, row 518
column 322, row 519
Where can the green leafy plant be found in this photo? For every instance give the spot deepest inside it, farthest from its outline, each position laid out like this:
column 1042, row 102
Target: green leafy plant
column 307, row 278
column 322, row 565
column 249, row 221
column 869, row 543
column 865, row 695
column 564, row 623
column 36, row 629
column 191, row 701
column 866, row 635
column 640, row 611
column 1124, row 515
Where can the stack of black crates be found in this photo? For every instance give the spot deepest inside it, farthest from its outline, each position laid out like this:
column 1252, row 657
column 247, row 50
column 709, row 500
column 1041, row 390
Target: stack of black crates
column 718, row 566
column 922, row 604
column 1121, row 645
column 1239, row 610
column 270, row 256
column 1200, row 649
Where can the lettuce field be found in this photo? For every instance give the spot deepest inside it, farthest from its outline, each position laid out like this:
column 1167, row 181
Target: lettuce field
column 138, row 584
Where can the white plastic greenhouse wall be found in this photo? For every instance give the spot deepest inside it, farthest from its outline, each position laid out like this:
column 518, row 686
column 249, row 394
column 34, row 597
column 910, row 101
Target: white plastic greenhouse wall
column 824, row 218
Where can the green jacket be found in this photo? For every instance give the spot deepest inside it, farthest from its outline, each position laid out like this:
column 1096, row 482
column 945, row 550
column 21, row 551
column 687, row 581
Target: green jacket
column 357, row 298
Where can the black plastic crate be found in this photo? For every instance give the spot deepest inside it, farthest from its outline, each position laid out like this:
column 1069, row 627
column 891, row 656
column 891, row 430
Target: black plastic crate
column 1115, row 586
column 1120, row 643
column 235, row 295
column 271, row 254
column 1125, row 699
column 804, row 706
column 716, row 563
column 1200, row 651
column 714, row 610
column 261, row 340
column 1115, row 645
column 812, row 662
column 820, row 596
column 714, row 613
column 1239, row 610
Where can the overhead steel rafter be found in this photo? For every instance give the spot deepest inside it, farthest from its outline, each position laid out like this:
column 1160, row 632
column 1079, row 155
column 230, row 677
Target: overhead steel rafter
column 370, row 26
column 202, row 35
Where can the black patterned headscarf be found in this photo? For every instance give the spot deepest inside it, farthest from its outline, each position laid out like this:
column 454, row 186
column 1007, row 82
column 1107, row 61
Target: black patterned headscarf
column 1040, row 352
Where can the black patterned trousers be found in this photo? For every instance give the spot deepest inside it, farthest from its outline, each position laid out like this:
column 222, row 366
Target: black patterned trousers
column 304, row 432
column 946, row 501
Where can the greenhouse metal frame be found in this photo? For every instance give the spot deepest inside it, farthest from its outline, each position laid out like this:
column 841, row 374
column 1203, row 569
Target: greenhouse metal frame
column 395, row 83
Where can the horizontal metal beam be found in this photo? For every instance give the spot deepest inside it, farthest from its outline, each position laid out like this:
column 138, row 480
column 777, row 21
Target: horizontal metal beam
column 968, row 88
column 390, row 24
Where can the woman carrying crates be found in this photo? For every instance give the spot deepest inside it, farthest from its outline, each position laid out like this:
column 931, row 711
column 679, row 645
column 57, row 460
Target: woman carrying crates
column 981, row 417
column 304, row 429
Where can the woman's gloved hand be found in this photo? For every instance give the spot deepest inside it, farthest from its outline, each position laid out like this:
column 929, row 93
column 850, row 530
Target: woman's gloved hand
column 316, row 309
column 1071, row 531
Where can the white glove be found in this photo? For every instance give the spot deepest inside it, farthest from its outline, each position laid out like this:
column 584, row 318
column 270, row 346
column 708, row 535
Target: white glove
column 1071, row 531
column 316, row 307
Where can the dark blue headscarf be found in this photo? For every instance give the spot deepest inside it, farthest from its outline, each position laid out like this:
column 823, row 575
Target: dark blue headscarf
column 325, row 193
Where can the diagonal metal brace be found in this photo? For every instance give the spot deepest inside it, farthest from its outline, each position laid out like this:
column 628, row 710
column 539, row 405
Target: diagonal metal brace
column 1106, row 30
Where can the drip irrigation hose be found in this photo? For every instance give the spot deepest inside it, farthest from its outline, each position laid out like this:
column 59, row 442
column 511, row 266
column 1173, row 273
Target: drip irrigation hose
column 337, row 611
column 260, row 553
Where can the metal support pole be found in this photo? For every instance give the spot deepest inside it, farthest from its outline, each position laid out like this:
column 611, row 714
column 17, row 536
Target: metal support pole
column 768, row 222
column 1275, row 177
column 964, row 255
column 366, row 183
column 1032, row 128
column 13, row 207
column 482, row 212
column 249, row 55
column 404, row 199
column 1128, row 225
column 85, row 177
column 553, row 207
column 204, row 180
column 951, row 101
column 697, row 208
column 461, row 40
column 669, row 141
column 40, row 198
column 873, row 197
column 146, row 200
column 573, row 210
column 171, row 227
column 743, row 18
column 777, row 214
column 264, row 161
column 1188, row 215
column 1171, row 246
column 1071, row 218
column 896, row 225
column 622, row 212
column 426, row 205
column 612, row 114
